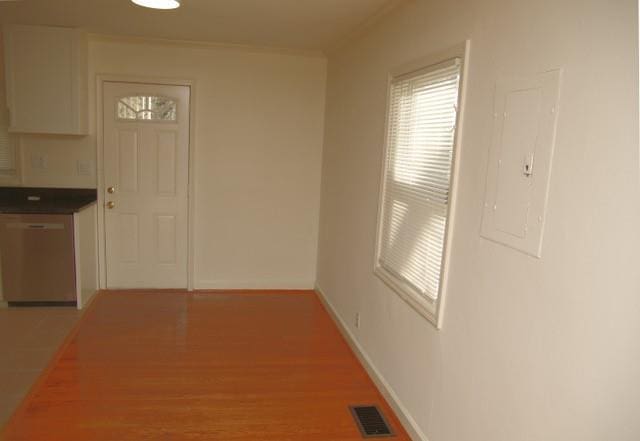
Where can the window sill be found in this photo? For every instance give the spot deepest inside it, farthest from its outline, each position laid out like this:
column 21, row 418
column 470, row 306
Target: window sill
column 422, row 306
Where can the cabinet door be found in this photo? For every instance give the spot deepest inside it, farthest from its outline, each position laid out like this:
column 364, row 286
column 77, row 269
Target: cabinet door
column 46, row 79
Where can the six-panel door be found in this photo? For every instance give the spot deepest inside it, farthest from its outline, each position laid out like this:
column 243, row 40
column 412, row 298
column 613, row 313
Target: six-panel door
column 146, row 163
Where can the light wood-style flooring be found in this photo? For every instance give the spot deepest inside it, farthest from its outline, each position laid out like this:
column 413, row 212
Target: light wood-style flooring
column 172, row 366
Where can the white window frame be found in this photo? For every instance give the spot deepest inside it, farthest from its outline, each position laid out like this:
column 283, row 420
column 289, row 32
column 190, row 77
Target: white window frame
column 431, row 310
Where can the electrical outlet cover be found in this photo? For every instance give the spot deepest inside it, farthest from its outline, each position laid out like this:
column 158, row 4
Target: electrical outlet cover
column 39, row 162
column 85, row 167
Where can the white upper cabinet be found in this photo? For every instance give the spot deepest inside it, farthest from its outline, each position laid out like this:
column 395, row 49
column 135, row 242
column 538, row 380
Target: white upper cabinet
column 46, row 79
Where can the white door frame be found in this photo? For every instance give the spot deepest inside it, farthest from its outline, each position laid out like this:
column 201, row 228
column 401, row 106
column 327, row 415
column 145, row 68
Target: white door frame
column 107, row 78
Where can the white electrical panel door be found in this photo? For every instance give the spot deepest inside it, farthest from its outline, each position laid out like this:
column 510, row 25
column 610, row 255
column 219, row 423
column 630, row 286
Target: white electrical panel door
column 525, row 115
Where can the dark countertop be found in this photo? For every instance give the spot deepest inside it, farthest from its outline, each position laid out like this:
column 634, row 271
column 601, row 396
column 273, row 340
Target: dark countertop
column 45, row 200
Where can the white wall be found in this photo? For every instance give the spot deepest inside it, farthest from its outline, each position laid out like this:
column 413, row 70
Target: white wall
column 258, row 142
column 530, row 349
column 258, row 139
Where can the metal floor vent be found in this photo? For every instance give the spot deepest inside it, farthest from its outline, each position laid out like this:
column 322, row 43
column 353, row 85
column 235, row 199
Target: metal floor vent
column 371, row 421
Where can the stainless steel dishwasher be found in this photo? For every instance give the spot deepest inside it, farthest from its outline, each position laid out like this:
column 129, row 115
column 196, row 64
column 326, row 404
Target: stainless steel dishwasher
column 37, row 258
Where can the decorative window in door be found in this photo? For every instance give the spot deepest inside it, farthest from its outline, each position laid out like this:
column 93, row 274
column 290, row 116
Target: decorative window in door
column 146, row 108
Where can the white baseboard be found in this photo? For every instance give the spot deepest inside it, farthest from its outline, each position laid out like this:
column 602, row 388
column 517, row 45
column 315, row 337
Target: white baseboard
column 87, row 296
column 381, row 383
column 253, row 284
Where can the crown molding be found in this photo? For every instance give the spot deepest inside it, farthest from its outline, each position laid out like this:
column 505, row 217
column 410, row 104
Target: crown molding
column 109, row 38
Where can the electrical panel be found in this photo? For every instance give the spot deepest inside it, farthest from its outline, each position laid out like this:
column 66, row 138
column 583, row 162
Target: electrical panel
column 519, row 172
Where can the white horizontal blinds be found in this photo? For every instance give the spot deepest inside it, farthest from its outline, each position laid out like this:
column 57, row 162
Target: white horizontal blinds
column 7, row 152
column 422, row 120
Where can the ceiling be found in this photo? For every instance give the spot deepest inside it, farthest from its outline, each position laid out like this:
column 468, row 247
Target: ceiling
column 311, row 25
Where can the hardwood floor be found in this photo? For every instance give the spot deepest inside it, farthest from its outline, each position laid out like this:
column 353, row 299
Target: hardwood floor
column 200, row 366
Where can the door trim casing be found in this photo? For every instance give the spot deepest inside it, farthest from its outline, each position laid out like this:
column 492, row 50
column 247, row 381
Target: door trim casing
column 101, row 79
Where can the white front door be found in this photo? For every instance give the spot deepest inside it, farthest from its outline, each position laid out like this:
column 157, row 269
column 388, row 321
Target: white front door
column 146, row 169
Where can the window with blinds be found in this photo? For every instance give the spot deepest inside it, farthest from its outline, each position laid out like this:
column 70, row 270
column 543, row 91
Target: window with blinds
column 414, row 208
column 7, row 150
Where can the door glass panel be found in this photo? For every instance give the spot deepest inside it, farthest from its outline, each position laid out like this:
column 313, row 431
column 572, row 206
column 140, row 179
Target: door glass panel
column 146, row 108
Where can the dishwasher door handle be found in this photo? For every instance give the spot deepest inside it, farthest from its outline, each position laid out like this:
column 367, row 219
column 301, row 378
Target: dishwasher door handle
column 32, row 226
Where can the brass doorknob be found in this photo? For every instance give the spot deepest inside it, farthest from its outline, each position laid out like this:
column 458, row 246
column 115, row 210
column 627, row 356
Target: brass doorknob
column 111, row 190
column 110, row 205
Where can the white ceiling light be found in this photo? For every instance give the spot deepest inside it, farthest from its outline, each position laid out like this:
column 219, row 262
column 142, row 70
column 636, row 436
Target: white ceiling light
column 158, row 4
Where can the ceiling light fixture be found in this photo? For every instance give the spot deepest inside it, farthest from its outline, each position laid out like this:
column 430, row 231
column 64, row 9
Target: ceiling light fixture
column 158, row 4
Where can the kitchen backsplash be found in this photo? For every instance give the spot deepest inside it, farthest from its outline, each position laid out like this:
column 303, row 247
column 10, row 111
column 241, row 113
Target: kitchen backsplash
column 58, row 161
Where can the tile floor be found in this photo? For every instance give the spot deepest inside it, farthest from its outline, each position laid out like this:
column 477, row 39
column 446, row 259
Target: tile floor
column 29, row 337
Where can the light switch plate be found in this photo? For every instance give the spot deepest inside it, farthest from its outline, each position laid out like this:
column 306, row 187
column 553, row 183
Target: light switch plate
column 85, row 167
column 39, row 161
